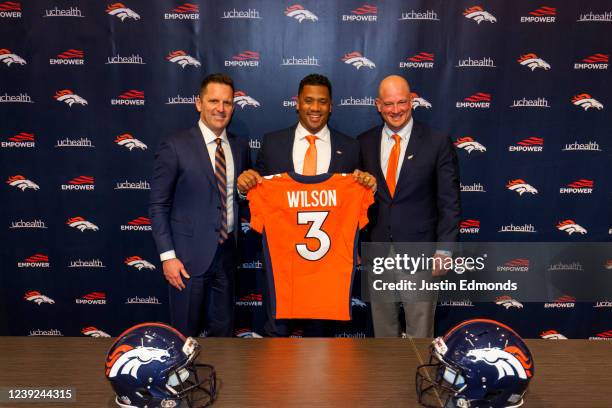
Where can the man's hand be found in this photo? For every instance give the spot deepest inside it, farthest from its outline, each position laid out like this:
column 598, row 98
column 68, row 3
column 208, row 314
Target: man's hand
column 173, row 269
column 365, row 179
column 247, row 180
column 439, row 261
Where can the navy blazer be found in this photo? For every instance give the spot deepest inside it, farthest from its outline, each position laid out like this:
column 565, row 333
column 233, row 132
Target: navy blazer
column 185, row 203
column 426, row 206
column 276, row 153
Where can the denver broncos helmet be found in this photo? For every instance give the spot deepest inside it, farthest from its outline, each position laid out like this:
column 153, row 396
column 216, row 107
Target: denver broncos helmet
column 479, row 363
column 153, row 365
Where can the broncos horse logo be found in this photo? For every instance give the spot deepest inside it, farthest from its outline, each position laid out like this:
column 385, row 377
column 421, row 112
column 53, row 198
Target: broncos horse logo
column 126, row 360
column 586, row 101
column 532, row 61
column 478, row 14
column 357, row 60
column 509, row 362
column 521, row 187
column 300, row 13
column 122, row 12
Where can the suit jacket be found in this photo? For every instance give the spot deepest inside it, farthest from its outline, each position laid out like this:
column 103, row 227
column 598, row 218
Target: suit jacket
column 425, row 207
column 185, row 204
column 276, row 153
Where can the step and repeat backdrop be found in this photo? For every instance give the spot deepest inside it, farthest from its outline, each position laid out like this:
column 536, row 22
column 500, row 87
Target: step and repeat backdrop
column 88, row 88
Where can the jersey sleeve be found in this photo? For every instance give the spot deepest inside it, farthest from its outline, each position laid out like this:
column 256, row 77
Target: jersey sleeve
column 366, row 201
column 256, row 207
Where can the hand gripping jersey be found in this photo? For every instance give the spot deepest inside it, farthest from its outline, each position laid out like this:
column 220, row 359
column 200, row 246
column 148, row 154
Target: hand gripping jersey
column 310, row 227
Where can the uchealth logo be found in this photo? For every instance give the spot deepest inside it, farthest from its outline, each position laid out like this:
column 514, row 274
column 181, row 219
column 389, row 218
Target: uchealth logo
column 532, row 61
column 365, row 13
column 508, row 302
column 133, row 185
column 479, row 100
column 308, row 61
column 10, row 58
column 470, row 145
column 21, row 98
column 428, row 15
column 562, row 302
column 181, row 58
column 69, row 98
column 605, row 17
column 233, row 14
column 472, row 188
column 352, row 101
column 49, row 332
column 582, row 186
column 357, row 60
column 139, row 263
column 69, row 12
column 93, row 298
column 82, row 224
column 120, row 11
column 252, row 299
column 299, row 13
column 478, row 14
column 552, row 335
column 469, row 226
column 419, row 101
column 521, row 187
column 137, row 224
column 130, row 142
column 69, row 57
column 35, row 261
column 38, row 298
column 130, row 59
column 571, row 227
column 22, row 183
column 595, row 61
column 186, row 11
column 420, row 60
column 36, row 223
column 485, row 62
column 590, row 146
column 525, row 228
column 246, row 58
column 80, row 183
column 91, row 263
column 10, row 9
column 20, row 140
column 92, row 331
column 242, row 99
column 544, row 14
column 586, row 102
column 132, row 97
column 530, row 144
column 607, row 335
column 137, row 300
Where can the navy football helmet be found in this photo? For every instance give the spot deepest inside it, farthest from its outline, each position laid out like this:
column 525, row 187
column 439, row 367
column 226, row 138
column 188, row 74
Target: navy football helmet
column 153, row 365
column 480, row 363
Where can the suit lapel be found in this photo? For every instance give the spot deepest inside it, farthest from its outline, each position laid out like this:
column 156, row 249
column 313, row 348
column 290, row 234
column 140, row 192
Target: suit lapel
column 199, row 146
column 235, row 152
column 335, row 148
column 375, row 146
column 414, row 144
column 285, row 149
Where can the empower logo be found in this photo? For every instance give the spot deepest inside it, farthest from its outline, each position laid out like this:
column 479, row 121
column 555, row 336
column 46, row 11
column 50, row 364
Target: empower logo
column 20, row 140
column 299, row 13
column 130, row 142
column 290, row 103
column 181, row 58
column 137, row 224
column 35, row 261
column 607, row 335
column 93, row 298
column 22, row 183
column 419, row 101
column 531, row 144
column 468, row 144
column 252, row 299
column 242, row 99
column 69, row 98
column 139, row 263
column 478, row 14
column 544, row 14
column 420, row 60
column 521, row 187
column 10, row 9
column 120, row 11
column 479, row 100
column 187, row 11
column 532, row 61
column 132, row 97
column 582, row 186
column 244, row 59
column 81, row 224
column 586, row 102
column 69, row 57
column 515, row 265
column 365, row 13
column 571, row 227
column 562, row 302
column 10, row 58
column 528, row 228
column 92, row 331
column 469, row 226
column 595, row 61
column 80, row 183
column 357, row 60
column 37, row 297
column 508, row 302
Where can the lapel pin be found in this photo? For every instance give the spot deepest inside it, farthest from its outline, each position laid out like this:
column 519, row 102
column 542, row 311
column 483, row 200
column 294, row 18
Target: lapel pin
column 410, row 157
column 338, row 152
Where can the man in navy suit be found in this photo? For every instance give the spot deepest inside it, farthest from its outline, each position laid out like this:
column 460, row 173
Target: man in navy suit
column 194, row 213
column 288, row 150
column 417, row 198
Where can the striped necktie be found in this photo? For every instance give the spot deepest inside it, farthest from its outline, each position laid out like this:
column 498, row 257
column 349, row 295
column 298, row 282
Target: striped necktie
column 221, row 177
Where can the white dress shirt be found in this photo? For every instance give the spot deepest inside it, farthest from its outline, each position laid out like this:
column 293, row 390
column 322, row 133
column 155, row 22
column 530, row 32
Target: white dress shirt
column 300, row 145
column 386, row 145
column 211, row 146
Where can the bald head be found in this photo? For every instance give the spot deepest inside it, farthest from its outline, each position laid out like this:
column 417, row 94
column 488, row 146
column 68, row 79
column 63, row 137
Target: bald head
column 394, row 102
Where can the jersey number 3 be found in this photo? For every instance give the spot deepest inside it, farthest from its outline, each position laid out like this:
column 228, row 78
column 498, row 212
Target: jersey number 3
column 316, row 220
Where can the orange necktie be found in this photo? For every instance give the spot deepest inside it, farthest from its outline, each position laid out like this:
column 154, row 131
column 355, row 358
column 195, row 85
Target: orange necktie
column 392, row 165
column 310, row 159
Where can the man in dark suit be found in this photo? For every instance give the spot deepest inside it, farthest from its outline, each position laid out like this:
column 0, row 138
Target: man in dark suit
column 309, row 147
column 194, row 213
column 417, row 198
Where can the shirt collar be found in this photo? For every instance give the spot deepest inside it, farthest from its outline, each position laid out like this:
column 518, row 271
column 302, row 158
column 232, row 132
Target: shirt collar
column 404, row 133
column 301, row 133
column 209, row 136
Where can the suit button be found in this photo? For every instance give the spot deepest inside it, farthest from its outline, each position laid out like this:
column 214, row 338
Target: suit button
column 216, row 229
column 218, row 207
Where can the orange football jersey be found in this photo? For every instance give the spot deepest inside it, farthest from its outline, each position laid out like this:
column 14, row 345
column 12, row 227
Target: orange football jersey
column 310, row 228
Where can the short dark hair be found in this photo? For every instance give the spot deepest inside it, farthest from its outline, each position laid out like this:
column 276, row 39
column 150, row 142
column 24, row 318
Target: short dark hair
column 217, row 78
column 315, row 79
